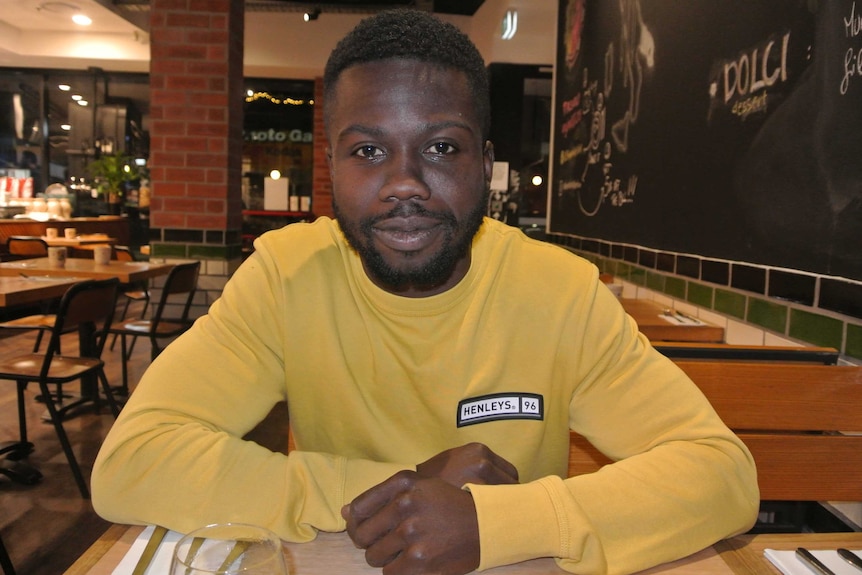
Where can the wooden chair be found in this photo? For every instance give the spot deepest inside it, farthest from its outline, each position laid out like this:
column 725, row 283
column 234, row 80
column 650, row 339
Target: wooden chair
column 181, row 284
column 802, row 423
column 87, row 306
column 23, row 247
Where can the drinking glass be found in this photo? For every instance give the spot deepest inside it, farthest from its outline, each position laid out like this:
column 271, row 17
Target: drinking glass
column 229, row 549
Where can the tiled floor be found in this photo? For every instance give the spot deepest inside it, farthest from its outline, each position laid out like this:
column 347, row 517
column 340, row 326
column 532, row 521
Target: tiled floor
column 46, row 526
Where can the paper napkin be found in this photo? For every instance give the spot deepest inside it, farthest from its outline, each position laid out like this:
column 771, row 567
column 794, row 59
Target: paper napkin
column 161, row 562
column 788, row 563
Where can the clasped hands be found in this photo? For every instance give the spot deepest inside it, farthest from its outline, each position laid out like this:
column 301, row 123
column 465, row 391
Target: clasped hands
column 422, row 522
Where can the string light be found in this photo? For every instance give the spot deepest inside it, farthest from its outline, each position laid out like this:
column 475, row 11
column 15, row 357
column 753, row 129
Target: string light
column 253, row 97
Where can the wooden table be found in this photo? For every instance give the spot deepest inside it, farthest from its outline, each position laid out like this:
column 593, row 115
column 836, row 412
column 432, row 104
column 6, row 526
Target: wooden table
column 334, row 553
column 127, row 272
column 656, row 325
column 85, row 241
column 17, row 290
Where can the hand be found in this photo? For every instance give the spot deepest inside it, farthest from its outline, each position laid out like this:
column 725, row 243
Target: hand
column 411, row 524
column 471, row 463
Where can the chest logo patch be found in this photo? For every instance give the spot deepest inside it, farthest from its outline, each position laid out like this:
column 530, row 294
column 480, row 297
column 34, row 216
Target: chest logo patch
column 499, row 406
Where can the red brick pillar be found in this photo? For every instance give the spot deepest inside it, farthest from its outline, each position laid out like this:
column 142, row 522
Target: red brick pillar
column 321, row 184
column 196, row 94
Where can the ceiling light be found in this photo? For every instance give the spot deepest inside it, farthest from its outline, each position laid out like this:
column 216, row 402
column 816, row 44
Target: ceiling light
column 64, row 87
column 76, row 96
column 83, row 102
column 510, row 25
column 82, row 20
column 66, row 127
column 311, row 14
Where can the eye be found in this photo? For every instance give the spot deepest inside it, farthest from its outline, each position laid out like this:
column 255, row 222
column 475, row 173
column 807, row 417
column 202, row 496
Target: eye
column 441, row 148
column 368, row 151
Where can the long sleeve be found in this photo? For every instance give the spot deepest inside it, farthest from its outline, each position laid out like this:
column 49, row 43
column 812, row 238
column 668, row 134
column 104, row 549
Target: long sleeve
column 681, row 479
column 176, row 456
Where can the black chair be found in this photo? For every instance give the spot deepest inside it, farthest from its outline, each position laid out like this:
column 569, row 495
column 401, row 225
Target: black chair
column 87, row 306
column 181, row 284
column 137, row 292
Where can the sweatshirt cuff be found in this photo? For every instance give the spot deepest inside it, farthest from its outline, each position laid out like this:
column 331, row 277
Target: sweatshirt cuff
column 517, row 522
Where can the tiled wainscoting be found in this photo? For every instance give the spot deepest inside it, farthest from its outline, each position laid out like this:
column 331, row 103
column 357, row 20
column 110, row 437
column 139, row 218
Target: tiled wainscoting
column 756, row 304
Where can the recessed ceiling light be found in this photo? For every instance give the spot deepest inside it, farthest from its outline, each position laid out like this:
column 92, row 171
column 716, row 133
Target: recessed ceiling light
column 83, row 102
column 510, row 25
column 76, row 96
column 82, row 20
column 66, row 127
column 65, row 87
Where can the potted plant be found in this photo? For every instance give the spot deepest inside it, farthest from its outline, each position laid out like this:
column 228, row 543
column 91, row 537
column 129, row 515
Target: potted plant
column 110, row 173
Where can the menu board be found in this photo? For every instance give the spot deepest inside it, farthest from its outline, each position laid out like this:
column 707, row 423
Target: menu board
column 722, row 128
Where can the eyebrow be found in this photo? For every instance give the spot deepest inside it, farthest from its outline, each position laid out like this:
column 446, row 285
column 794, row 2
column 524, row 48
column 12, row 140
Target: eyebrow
column 427, row 127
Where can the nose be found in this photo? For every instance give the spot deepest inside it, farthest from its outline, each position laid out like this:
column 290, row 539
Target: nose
column 404, row 180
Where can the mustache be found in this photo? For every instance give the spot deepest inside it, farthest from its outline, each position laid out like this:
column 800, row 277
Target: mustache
column 408, row 209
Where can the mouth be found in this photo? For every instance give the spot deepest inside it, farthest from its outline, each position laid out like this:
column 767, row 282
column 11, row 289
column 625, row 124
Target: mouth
column 407, row 234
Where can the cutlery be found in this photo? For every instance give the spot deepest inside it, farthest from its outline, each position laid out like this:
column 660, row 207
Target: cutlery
column 686, row 317
column 677, row 316
column 813, row 562
column 851, row 558
column 150, row 550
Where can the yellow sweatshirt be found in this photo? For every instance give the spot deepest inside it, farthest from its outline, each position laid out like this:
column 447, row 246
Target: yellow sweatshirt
column 526, row 347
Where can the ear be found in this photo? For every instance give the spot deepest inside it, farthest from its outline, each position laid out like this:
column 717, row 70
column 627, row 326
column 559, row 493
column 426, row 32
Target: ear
column 488, row 160
column 329, row 161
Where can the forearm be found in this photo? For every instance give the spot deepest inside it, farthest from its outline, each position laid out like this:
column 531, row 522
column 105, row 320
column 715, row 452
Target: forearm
column 643, row 511
column 184, row 475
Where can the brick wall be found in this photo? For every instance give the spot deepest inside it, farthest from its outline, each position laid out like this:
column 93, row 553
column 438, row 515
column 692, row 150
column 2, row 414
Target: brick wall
column 196, row 128
column 196, row 95
column 321, row 199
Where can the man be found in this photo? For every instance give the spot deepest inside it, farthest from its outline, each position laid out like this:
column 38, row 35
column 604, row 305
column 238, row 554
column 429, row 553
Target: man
column 433, row 363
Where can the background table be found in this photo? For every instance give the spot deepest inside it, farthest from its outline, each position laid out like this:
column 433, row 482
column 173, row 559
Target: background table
column 82, row 241
column 17, row 290
column 650, row 317
column 127, row 272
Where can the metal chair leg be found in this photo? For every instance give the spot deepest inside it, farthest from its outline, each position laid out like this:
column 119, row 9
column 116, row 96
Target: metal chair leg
column 57, row 420
column 106, row 387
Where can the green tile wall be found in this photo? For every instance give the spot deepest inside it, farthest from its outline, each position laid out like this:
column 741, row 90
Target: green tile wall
column 815, row 328
column 854, row 341
column 730, row 303
column 675, row 287
column 700, row 295
column 807, row 326
column 766, row 314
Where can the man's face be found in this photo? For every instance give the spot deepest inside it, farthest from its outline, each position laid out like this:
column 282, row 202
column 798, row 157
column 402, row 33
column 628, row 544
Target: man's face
column 410, row 172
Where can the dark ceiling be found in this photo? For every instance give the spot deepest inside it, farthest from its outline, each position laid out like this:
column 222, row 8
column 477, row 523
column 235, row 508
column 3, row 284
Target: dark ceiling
column 461, row 7
column 137, row 11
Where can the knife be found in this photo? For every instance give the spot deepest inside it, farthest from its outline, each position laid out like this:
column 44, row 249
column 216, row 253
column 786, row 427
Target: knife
column 813, row 562
column 851, row 558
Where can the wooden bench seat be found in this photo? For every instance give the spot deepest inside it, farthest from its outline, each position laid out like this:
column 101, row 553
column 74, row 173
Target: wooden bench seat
column 725, row 351
column 802, row 423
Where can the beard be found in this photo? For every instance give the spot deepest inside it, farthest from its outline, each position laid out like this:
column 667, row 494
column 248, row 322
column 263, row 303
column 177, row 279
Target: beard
column 458, row 239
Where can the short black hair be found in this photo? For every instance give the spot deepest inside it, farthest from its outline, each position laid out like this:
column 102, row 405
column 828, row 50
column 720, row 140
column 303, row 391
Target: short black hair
column 413, row 35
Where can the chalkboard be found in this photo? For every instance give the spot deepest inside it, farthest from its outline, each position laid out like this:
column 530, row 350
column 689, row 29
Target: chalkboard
column 722, row 128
